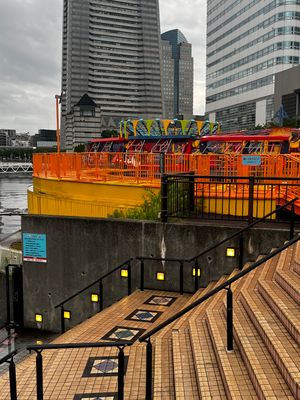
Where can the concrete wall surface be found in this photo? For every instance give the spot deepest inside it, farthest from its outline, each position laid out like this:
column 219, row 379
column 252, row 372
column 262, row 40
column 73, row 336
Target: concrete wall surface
column 80, row 250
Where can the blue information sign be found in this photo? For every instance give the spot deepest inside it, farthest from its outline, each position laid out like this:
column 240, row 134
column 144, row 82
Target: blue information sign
column 34, row 247
column 252, row 161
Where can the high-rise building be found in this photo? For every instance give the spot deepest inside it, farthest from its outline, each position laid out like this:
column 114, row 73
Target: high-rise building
column 111, row 53
column 177, row 75
column 248, row 42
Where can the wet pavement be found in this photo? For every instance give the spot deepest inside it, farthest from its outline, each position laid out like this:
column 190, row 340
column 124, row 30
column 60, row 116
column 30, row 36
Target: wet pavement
column 19, row 341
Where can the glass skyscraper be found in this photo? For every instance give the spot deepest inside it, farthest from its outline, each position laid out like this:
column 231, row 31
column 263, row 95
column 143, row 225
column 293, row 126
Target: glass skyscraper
column 111, row 52
column 248, row 42
column 177, row 75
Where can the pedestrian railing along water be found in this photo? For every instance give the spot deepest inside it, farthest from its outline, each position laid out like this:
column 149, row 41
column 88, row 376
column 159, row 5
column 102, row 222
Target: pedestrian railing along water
column 130, row 167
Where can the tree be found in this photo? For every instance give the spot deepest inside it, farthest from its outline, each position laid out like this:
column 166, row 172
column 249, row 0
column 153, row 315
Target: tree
column 80, row 148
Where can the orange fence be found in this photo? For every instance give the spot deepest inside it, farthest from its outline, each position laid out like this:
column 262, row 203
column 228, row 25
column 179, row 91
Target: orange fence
column 146, row 168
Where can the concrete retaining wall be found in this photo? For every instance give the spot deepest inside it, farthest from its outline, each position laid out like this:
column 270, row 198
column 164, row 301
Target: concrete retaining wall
column 81, row 250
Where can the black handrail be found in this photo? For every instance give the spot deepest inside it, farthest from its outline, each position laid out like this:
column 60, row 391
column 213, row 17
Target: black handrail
column 99, row 281
column 94, row 283
column 9, row 358
column 180, row 261
column 227, row 286
column 213, row 247
column 241, row 231
column 258, row 178
column 218, row 289
column 39, row 361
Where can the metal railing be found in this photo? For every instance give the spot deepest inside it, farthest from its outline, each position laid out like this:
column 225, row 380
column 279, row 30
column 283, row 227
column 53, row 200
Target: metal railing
column 223, row 197
column 9, row 358
column 224, row 286
column 133, row 167
column 98, row 281
column 147, row 337
column 39, row 361
column 194, row 261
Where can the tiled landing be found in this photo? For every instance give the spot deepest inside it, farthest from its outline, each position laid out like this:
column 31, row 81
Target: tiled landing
column 91, row 374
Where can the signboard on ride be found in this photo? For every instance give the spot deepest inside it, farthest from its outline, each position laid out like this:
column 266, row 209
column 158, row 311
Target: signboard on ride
column 251, row 161
column 34, row 247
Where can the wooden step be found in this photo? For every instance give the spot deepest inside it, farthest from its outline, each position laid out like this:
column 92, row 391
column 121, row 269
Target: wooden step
column 234, row 373
column 290, row 283
column 266, row 378
column 209, row 377
column 297, row 266
column 281, row 346
column 184, row 370
column 286, row 310
column 164, row 361
column 163, row 386
column 183, row 362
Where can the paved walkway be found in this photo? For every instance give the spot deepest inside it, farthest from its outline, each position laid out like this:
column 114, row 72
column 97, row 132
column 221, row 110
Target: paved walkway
column 76, row 374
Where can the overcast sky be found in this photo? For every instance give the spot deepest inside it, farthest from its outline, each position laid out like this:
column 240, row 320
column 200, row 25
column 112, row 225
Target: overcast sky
column 30, row 62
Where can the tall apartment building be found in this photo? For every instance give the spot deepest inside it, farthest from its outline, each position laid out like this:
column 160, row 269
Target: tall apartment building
column 177, row 75
column 248, row 42
column 111, row 53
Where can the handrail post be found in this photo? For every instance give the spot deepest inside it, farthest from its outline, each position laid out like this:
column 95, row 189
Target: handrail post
column 196, row 275
column 181, row 277
column 142, row 275
column 164, row 199
column 241, row 252
column 149, row 370
column 39, row 375
column 229, row 320
column 8, row 316
column 129, row 279
column 121, row 366
column 101, row 297
column 192, row 192
column 62, row 319
column 12, row 379
column 292, row 222
column 251, row 200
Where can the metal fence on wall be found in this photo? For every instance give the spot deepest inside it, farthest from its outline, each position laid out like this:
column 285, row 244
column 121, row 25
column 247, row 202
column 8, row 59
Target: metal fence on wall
column 225, row 198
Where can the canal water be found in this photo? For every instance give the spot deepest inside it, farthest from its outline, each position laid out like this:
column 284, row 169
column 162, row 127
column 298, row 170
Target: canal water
column 13, row 199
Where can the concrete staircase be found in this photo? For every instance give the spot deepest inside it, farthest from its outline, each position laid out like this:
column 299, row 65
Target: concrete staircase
column 265, row 363
column 190, row 360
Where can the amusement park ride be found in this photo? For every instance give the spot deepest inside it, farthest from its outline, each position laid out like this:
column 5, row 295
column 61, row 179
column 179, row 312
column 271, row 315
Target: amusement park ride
column 189, row 136
column 223, row 165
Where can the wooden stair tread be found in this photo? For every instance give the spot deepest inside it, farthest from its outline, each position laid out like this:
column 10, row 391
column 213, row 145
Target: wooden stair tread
column 163, row 387
column 184, row 370
column 265, row 375
column 290, row 283
column 285, row 351
column 286, row 310
column 208, row 375
column 235, row 376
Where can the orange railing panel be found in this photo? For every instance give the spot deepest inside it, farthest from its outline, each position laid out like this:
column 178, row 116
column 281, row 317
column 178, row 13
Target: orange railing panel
column 146, row 167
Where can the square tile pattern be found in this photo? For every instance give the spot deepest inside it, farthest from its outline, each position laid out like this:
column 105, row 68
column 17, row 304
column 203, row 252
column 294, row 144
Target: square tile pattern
column 161, row 300
column 144, row 315
column 97, row 396
column 103, row 366
column 123, row 333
